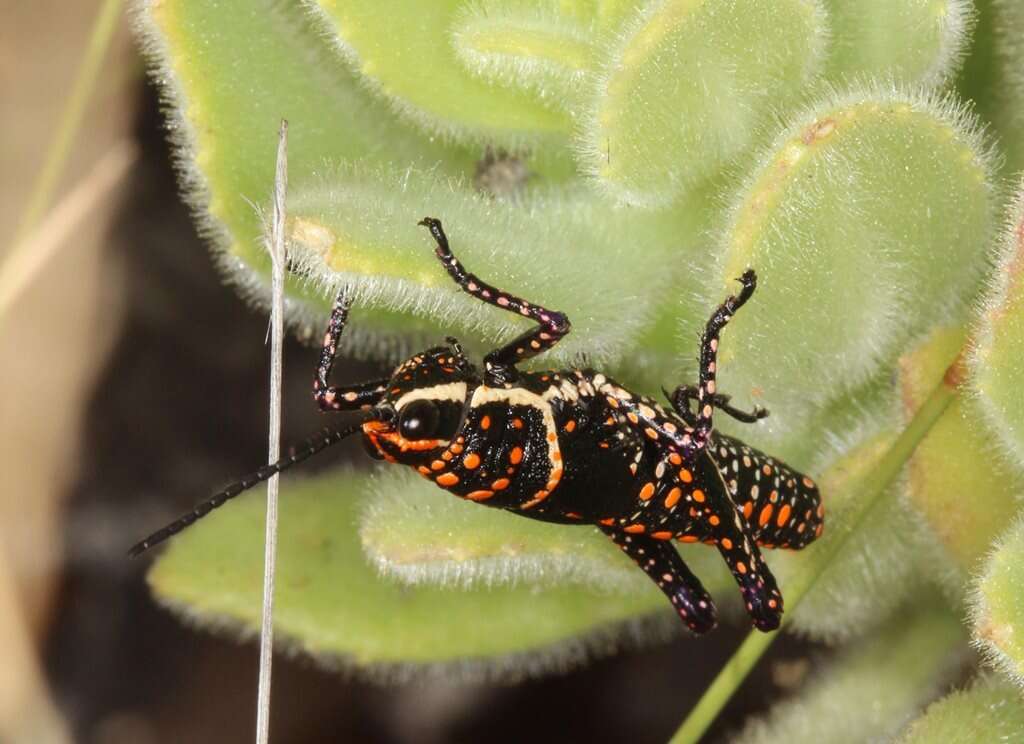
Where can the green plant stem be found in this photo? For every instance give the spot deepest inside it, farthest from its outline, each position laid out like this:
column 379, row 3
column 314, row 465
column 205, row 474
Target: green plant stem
column 875, row 488
column 70, row 120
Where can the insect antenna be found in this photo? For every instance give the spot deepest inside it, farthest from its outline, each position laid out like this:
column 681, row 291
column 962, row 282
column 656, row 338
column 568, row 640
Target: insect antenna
column 309, row 448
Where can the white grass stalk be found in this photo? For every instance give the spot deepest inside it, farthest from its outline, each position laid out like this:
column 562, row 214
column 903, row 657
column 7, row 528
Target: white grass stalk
column 277, row 257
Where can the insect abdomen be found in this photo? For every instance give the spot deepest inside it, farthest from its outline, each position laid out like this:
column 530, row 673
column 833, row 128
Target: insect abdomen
column 782, row 506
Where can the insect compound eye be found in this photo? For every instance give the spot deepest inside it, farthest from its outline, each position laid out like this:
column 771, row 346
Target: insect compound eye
column 419, row 420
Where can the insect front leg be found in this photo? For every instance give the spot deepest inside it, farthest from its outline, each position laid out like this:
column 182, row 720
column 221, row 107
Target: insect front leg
column 333, row 397
column 661, row 561
column 499, row 365
column 709, row 354
column 683, row 395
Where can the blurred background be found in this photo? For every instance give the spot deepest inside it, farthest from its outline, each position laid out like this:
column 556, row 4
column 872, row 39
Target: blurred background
column 118, row 412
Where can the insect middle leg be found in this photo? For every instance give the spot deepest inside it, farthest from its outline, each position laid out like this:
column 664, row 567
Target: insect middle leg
column 499, row 365
column 683, row 395
column 660, row 560
column 341, row 398
column 709, row 354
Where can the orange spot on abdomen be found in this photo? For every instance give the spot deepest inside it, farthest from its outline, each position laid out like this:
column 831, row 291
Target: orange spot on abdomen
column 783, row 516
column 447, row 479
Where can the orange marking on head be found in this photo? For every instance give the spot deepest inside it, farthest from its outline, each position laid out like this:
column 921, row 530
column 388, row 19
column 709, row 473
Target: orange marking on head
column 479, row 495
column 537, row 498
column 685, row 476
column 405, row 445
column 689, row 538
column 783, row 516
column 471, row 461
column 698, row 496
column 447, row 479
column 501, row 484
column 726, row 543
column 437, row 465
column 570, row 426
column 634, row 529
column 766, row 514
column 673, row 497
column 516, row 455
column 485, row 422
column 741, row 567
column 661, row 535
column 607, row 522
column 748, row 509
column 675, row 459
column 646, row 492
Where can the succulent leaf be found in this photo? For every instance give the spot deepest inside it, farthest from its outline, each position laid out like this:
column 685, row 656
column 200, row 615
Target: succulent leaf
column 677, row 98
column 331, row 604
column 871, row 689
column 849, row 271
column 989, row 710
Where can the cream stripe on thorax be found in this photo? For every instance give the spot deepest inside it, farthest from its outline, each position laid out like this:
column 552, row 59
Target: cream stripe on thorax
column 455, row 391
column 521, row 397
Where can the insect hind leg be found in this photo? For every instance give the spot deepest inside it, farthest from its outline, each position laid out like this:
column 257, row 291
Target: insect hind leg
column 662, row 563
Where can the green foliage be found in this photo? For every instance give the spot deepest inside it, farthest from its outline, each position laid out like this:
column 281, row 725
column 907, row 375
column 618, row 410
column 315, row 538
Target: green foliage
column 958, row 456
column 654, row 129
column 871, row 689
column 330, row 604
column 998, row 375
column 988, row 711
column 997, row 610
column 870, row 38
column 624, row 162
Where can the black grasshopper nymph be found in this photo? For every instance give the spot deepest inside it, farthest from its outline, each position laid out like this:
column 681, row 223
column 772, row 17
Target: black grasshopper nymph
column 575, row 447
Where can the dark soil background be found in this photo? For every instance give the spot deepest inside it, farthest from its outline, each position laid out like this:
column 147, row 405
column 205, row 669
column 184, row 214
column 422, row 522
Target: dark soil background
column 179, row 410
